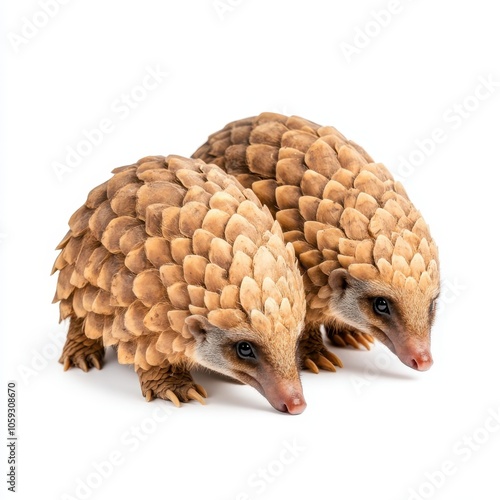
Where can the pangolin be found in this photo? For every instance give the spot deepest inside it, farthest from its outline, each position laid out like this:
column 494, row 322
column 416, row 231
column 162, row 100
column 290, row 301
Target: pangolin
column 177, row 265
column 371, row 266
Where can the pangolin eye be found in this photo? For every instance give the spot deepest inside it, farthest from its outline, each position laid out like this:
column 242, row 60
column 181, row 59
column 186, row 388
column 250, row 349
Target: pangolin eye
column 245, row 350
column 381, row 306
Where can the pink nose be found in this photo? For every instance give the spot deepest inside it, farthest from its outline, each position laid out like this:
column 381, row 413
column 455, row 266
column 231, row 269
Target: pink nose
column 421, row 362
column 286, row 396
column 295, row 405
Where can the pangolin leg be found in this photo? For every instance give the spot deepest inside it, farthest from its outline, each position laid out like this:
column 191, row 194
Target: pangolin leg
column 314, row 354
column 170, row 382
column 79, row 350
column 343, row 337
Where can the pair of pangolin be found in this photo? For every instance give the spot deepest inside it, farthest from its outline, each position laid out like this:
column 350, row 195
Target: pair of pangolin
column 178, row 264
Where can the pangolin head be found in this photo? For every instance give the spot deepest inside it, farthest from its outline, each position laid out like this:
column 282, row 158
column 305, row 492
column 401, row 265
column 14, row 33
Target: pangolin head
column 253, row 335
column 384, row 277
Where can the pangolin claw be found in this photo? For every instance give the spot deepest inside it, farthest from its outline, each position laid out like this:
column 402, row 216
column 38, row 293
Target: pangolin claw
column 311, row 365
column 95, row 360
column 193, row 394
column 369, row 338
column 362, row 340
column 171, row 395
column 333, row 358
column 348, row 337
column 149, row 395
column 352, row 341
column 338, row 340
column 325, row 363
column 82, row 364
column 201, row 390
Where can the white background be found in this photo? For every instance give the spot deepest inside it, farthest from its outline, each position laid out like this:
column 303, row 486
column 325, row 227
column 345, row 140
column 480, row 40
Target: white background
column 375, row 429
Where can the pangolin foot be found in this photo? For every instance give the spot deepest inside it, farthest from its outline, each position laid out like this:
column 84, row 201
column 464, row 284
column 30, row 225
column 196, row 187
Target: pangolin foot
column 314, row 354
column 170, row 384
column 82, row 352
column 323, row 359
column 346, row 337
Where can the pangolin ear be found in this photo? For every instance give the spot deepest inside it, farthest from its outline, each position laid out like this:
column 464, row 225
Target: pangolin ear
column 339, row 280
column 199, row 326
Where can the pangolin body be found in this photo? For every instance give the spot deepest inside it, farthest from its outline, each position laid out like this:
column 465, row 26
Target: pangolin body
column 371, row 265
column 175, row 264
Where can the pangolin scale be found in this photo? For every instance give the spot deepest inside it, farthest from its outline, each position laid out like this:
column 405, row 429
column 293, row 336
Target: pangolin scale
column 176, row 265
column 371, row 266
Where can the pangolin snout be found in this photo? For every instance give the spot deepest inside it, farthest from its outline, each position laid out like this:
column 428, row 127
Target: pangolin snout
column 420, row 360
column 286, row 398
column 294, row 405
column 415, row 353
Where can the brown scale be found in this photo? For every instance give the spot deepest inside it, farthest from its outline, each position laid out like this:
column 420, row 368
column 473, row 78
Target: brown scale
column 336, row 205
column 162, row 240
